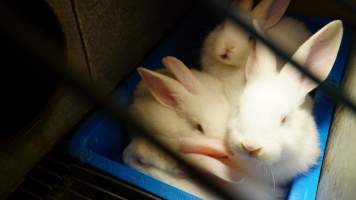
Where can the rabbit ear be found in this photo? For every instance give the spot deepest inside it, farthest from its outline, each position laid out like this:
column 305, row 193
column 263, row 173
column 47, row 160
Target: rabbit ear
column 167, row 91
column 243, row 4
column 202, row 151
column 269, row 12
column 317, row 54
column 182, row 74
column 260, row 63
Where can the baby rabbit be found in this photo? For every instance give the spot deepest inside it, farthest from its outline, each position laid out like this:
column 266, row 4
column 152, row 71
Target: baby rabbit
column 227, row 47
column 178, row 104
column 273, row 133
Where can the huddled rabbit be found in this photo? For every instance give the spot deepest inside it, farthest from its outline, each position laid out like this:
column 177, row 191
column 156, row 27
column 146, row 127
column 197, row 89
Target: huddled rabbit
column 273, row 132
column 227, row 47
column 178, row 104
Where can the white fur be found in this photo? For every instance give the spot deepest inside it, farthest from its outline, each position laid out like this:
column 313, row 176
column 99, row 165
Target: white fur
column 146, row 158
column 288, row 147
column 207, row 106
column 286, row 150
column 227, row 39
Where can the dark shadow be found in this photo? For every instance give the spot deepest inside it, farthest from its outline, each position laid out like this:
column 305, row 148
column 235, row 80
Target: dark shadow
column 25, row 91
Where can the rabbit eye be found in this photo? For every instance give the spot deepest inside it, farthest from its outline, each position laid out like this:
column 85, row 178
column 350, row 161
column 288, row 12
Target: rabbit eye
column 284, row 119
column 199, row 127
column 250, row 38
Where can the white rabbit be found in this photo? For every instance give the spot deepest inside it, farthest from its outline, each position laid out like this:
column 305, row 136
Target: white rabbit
column 227, row 47
column 178, row 105
column 273, row 133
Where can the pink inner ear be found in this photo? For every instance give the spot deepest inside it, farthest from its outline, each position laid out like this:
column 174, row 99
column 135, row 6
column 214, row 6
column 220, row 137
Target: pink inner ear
column 182, row 73
column 317, row 52
column 314, row 61
column 273, row 13
column 274, row 8
column 165, row 96
column 158, row 88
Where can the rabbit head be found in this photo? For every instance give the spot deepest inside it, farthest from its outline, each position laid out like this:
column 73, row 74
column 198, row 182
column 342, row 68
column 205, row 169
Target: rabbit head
column 182, row 103
column 229, row 45
column 271, row 125
column 180, row 106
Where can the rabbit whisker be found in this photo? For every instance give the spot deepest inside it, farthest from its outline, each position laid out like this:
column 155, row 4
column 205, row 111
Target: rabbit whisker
column 274, row 181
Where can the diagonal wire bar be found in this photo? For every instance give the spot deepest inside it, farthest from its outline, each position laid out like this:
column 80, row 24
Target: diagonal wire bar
column 42, row 47
column 222, row 9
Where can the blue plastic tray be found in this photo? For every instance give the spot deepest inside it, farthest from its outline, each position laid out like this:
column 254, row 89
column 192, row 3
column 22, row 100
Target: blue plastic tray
column 100, row 141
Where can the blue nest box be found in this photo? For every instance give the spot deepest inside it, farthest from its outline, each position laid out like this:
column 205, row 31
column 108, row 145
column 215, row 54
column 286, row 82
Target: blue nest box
column 100, row 141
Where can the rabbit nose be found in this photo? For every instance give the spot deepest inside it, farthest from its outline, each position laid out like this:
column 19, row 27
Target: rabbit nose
column 252, row 150
column 226, row 54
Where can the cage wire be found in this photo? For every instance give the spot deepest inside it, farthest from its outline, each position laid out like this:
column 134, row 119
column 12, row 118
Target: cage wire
column 24, row 34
